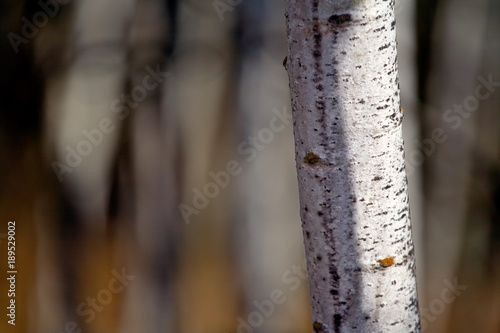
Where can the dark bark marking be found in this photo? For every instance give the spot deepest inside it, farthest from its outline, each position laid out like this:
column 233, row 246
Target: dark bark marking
column 337, row 320
column 384, row 47
column 340, row 19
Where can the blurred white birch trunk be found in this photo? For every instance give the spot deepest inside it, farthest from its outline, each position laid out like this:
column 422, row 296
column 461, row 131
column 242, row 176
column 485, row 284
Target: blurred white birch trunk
column 342, row 67
column 81, row 91
column 457, row 65
column 154, row 139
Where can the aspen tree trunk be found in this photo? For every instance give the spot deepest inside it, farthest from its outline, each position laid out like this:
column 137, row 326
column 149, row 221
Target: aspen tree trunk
column 342, row 66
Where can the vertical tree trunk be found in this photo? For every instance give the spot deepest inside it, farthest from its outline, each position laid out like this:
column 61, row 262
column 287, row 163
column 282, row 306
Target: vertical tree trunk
column 342, row 67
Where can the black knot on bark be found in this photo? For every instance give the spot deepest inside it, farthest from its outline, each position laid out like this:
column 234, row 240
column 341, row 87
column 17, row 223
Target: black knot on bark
column 339, row 19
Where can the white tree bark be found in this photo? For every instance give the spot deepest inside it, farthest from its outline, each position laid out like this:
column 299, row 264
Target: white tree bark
column 342, row 66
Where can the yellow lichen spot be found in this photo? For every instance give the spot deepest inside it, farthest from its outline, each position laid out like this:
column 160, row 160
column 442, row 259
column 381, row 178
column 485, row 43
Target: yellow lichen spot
column 311, row 158
column 317, row 326
column 402, row 109
column 387, row 262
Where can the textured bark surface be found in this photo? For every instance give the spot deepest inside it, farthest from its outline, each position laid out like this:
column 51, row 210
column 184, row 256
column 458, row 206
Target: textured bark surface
column 342, row 66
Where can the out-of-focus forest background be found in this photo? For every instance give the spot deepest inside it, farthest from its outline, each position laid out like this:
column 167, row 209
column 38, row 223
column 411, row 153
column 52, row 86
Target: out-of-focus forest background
column 147, row 160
